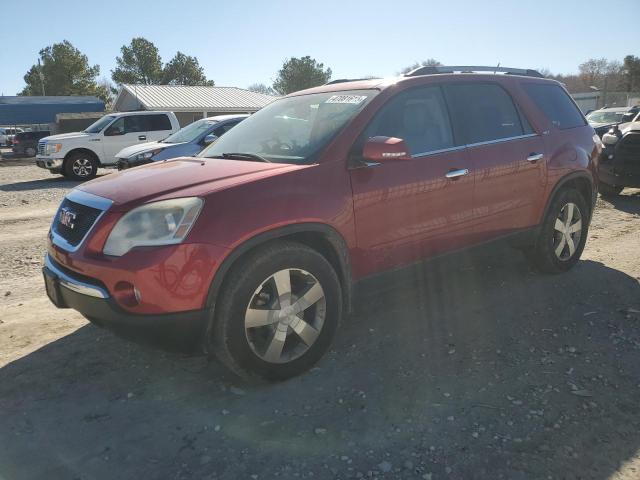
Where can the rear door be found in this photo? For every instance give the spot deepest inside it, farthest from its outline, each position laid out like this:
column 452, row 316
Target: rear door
column 508, row 157
column 408, row 210
column 157, row 126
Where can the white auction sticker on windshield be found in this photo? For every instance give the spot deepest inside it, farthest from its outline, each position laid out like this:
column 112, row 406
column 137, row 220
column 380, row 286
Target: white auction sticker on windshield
column 353, row 99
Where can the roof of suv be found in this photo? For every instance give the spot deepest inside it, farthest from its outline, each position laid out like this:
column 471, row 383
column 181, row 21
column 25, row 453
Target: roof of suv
column 382, row 83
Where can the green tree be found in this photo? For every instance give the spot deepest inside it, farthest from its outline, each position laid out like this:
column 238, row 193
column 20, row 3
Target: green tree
column 261, row 88
column 140, row 63
column 300, row 73
column 184, row 70
column 430, row 62
column 63, row 70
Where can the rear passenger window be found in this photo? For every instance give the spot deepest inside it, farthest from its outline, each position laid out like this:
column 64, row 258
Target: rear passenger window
column 157, row 122
column 418, row 116
column 556, row 105
column 483, row 112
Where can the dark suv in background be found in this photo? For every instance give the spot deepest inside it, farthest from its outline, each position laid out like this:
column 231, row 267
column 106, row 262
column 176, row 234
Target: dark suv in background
column 26, row 143
column 251, row 250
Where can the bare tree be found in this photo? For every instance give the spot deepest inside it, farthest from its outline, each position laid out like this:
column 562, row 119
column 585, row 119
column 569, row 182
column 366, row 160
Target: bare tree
column 430, row 62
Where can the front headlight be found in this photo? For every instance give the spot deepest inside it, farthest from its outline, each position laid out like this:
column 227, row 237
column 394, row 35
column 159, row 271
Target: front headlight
column 146, row 155
column 160, row 223
column 51, row 148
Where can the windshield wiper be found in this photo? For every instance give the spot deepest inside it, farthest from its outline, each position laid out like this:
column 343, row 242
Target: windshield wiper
column 245, row 156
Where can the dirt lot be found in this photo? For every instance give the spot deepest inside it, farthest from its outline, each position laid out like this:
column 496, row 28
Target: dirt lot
column 470, row 367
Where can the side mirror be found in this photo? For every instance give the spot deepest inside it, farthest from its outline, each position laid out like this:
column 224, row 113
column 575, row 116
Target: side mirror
column 209, row 139
column 385, row 149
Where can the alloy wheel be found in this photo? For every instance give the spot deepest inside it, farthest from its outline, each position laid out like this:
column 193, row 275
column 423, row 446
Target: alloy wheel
column 82, row 167
column 567, row 232
column 285, row 315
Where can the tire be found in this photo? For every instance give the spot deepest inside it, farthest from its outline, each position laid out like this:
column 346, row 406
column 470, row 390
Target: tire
column 607, row 190
column 276, row 352
column 80, row 166
column 552, row 238
column 30, row 152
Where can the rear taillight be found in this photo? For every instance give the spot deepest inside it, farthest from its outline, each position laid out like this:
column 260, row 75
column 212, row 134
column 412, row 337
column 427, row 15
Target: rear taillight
column 15, row 140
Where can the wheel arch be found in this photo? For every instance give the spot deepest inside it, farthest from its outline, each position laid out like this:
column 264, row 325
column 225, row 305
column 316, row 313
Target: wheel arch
column 87, row 151
column 321, row 237
column 581, row 181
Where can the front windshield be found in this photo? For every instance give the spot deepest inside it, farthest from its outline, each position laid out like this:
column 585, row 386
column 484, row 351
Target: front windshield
column 100, row 124
column 292, row 129
column 190, row 132
column 605, row 117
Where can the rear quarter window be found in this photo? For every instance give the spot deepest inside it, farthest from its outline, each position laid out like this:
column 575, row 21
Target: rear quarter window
column 556, row 104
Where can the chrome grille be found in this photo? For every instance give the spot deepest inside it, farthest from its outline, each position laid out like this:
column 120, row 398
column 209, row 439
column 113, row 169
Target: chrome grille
column 82, row 219
column 41, row 146
column 79, row 212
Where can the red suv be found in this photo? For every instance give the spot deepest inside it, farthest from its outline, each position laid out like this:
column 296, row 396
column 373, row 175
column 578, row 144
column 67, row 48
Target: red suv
column 251, row 250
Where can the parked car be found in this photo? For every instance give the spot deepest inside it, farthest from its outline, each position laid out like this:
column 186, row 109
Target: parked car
column 251, row 250
column 78, row 155
column 620, row 160
column 602, row 120
column 26, row 143
column 7, row 133
column 186, row 142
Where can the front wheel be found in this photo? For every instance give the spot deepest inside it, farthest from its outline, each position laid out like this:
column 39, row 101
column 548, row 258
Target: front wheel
column 80, row 166
column 563, row 233
column 607, row 190
column 278, row 312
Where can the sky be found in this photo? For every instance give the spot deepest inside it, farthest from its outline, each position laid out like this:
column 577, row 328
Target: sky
column 240, row 42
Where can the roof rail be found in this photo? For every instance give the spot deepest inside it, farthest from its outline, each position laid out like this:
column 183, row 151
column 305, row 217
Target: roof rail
column 343, row 80
column 432, row 70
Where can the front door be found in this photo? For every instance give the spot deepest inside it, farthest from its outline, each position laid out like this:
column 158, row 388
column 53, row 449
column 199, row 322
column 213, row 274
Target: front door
column 122, row 133
column 408, row 210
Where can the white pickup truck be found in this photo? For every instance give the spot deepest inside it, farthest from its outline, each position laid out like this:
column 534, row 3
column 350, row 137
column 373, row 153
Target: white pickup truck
column 78, row 155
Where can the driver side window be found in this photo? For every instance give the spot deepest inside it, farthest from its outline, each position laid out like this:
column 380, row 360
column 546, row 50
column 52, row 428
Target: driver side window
column 418, row 116
column 116, row 128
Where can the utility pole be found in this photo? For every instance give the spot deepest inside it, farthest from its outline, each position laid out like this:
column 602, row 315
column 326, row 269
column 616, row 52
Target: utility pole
column 41, row 75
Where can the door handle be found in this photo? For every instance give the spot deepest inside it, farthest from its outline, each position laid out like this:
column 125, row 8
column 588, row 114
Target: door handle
column 142, row 137
column 534, row 157
column 453, row 174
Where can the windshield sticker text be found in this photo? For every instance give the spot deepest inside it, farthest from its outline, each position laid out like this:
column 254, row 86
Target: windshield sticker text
column 354, row 99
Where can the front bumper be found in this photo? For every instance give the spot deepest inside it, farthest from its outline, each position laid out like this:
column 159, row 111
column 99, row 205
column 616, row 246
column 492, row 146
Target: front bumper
column 125, row 163
column 49, row 163
column 181, row 331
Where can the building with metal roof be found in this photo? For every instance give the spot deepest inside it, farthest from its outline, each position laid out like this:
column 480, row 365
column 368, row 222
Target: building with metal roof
column 190, row 103
column 26, row 110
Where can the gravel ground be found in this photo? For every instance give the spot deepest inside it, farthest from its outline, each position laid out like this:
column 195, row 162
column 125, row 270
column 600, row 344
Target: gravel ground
column 470, row 366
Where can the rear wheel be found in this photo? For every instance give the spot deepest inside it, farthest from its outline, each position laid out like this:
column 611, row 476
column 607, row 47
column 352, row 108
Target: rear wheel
column 607, row 190
column 563, row 233
column 80, row 166
column 30, row 151
column 278, row 312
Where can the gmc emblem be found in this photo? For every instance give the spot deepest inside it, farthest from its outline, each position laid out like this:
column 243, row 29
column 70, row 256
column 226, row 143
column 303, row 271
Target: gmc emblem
column 67, row 218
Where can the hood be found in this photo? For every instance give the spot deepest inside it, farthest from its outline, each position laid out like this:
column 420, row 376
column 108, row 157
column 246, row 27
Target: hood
column 141, row 148
column 67, row 136
column 186, row 176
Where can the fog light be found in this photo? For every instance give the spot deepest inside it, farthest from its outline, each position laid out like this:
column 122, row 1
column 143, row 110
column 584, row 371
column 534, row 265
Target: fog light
column 126, row 294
